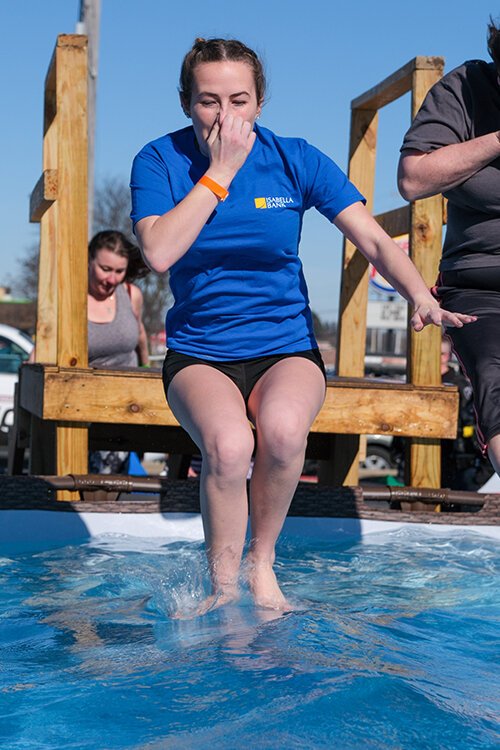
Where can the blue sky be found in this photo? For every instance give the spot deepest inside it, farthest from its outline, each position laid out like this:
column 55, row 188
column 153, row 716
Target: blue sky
column 319, row 55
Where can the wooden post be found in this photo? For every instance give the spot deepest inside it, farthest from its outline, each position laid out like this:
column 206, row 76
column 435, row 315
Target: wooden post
column 71, row 243
column 343, row 467
column 46, row 326
column 423, row 362
column 60, row 203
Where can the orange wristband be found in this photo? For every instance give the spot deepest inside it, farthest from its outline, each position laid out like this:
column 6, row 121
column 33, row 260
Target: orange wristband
column 216, row 189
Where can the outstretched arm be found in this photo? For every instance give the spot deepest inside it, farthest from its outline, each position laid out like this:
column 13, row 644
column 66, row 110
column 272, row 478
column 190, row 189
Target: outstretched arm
column 359, row 226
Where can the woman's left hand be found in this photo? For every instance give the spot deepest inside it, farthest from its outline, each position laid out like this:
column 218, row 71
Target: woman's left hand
column 431, row 314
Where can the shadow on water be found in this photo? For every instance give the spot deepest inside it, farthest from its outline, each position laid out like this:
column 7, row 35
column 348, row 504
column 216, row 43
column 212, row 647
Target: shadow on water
column 32, row 518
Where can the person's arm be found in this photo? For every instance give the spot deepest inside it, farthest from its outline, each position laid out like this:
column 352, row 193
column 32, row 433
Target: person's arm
column 165, row 239
column 136, row 300
column 423, row 174
column 359, row 226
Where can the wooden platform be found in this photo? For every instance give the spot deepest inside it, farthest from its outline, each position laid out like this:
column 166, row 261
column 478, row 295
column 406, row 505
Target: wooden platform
column 352, row 405
column 127, row 410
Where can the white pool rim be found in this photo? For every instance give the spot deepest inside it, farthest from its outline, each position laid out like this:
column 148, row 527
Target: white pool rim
column 34, row 527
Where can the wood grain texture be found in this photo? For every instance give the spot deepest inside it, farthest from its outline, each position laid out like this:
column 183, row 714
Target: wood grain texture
column 395, row 222
column 423, row 357
column 425, row 463
column 46, row 325
column 397, row 84
column 43, row 195
column 72, row 454
column 352, row 406
column 354, row 282
column 72, row 224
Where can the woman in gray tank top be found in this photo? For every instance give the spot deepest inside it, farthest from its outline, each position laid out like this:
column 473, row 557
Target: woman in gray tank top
column 117, row 338
column 116, row 334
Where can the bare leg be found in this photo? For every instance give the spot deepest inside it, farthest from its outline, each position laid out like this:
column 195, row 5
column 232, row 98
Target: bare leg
column 494, row 453
column 211, row 409
column 283, row 406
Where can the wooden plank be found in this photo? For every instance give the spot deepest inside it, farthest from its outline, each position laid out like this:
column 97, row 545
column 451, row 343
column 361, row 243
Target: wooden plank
column 67, row 41
column 425, row 463
column 354, row 287
column 46, row 324
column 72, row 454
column 43, row 195
column 72, row 227
column 403, row 412
column 351, row 337
column 395, row 222
column 352, row 407
column 423, row 360
column 397, row 84
column 425, row 251
column 49, row 102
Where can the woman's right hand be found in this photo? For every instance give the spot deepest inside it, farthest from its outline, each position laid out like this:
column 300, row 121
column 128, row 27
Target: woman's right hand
column 164, row 239
column 229, row 144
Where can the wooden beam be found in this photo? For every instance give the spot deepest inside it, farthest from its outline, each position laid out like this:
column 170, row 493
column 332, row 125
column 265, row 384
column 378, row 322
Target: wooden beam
column 67, row 41
column 395, row 222
column 72, row 226
column 44, row 194
column 351, row 337
column 425, row 251
column 397, row 84
column 72, row 454
column 354, row 288
column 425, row 463
column 49, row 104
column 423, row 360
column 46, row 323
column 136, row 397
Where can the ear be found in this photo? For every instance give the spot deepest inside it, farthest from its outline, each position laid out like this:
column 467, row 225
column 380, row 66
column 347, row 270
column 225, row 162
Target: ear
column 259, row 108
column 184, row 104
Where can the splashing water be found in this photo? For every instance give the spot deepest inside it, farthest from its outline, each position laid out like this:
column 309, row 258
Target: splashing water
column 392, row 645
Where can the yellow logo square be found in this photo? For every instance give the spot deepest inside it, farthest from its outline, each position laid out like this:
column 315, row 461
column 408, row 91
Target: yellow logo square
column 260, row 203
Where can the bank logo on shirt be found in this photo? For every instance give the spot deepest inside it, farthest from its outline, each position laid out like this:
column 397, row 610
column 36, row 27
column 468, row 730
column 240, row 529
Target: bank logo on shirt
column 272, row 202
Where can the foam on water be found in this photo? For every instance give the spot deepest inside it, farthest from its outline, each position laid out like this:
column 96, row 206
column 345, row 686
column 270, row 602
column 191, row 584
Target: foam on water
column 392, row 645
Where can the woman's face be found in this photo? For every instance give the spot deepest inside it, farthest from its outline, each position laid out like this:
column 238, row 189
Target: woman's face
column 106, row 270
column 219, row 89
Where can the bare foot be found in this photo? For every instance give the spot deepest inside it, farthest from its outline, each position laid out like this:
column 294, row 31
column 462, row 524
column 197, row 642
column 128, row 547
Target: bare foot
column 214, row 601
column 225, row 596
column 264, row 587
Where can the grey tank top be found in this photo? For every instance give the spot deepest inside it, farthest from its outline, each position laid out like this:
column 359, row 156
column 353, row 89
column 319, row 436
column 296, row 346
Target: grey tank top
column 113, row 344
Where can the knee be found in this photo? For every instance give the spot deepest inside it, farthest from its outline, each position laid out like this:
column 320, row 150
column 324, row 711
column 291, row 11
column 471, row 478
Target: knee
column 228, row 453
column 283, row 438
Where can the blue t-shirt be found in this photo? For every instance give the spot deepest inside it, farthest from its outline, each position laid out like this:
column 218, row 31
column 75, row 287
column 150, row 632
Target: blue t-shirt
column 239, row 290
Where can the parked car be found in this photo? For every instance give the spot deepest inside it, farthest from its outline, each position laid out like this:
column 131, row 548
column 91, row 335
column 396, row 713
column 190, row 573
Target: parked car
column 380, row 453
column 15, row 348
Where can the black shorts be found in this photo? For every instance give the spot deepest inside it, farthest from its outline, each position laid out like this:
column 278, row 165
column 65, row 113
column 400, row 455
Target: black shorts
column 476, row 291
column 243, row 372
